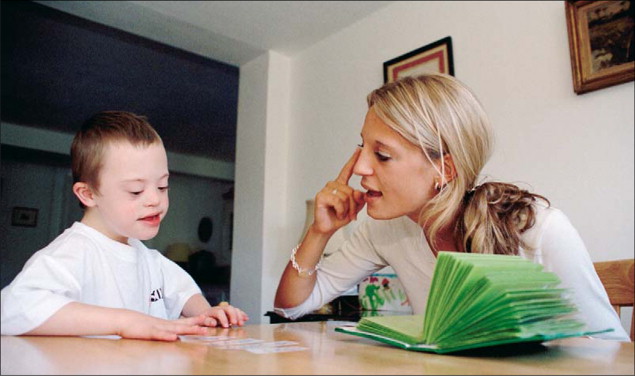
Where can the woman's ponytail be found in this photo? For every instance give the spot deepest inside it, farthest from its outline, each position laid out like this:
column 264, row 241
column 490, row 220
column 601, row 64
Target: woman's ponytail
column 494, row 216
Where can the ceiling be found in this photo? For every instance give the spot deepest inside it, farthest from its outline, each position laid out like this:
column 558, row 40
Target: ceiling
column 173, row 61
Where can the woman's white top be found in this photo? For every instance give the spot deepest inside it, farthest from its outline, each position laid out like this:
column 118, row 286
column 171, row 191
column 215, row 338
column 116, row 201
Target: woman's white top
column 401, row 244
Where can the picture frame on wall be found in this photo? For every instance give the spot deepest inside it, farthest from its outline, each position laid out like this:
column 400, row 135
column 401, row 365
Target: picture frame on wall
column 24, row 217
column 433, row 57
column 600, row 43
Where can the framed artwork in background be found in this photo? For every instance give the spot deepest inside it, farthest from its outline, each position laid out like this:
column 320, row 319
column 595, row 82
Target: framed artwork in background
column 433, row 57
column 24, row 217
column 600, row 43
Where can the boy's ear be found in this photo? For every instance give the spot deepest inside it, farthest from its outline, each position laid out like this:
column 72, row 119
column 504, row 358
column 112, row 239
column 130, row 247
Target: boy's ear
column 84, row 193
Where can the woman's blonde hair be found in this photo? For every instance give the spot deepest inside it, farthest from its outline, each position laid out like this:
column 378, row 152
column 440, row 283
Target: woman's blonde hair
column 441, row 115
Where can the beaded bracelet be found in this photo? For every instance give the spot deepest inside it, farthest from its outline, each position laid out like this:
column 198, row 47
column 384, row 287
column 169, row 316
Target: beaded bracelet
column 303, row 272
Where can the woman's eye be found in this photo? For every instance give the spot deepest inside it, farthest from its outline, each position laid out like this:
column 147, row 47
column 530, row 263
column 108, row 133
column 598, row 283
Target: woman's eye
column 136, row 193
column 382, row 156
column 162, row 189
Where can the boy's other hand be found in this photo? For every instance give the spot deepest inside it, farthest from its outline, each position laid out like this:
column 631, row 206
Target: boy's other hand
column 224, row 315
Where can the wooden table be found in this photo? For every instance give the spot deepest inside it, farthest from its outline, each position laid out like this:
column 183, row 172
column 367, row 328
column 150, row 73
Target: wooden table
column 327, row 352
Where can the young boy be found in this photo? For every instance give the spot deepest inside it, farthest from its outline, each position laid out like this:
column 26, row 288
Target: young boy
column 98, row 278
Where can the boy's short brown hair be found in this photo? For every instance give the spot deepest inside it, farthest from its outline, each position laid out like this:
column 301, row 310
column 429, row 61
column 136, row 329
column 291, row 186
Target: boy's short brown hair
column 87, row 149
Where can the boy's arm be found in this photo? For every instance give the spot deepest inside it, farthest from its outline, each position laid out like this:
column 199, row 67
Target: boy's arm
column 222, row 314
column 195, row 305
column 79, row 319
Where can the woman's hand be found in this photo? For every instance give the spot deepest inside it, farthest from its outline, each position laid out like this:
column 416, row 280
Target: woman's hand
column 337, row 204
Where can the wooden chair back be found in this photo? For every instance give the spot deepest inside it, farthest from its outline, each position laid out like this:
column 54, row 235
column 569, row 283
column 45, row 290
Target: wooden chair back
column 618, row 281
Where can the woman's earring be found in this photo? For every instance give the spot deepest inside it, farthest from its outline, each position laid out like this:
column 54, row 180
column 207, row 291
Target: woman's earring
column 437, row 186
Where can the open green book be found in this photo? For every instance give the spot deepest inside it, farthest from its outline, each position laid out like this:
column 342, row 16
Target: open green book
column 479, row 300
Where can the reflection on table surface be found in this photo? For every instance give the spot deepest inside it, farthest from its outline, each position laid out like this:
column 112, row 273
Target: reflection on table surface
column 326, row 352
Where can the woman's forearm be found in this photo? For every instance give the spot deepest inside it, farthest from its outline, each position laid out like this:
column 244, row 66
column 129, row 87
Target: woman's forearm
column 294, row 287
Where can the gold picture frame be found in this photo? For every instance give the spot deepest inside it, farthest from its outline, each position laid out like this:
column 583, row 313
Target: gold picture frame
column 436, row 57
column 600, row 43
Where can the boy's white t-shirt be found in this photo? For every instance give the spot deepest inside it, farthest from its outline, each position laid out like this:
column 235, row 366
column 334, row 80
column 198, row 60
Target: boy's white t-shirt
column 401, row 244
column 83, row 265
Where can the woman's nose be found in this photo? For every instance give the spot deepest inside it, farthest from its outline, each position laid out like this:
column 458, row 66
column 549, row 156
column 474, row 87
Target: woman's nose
column 362, row 167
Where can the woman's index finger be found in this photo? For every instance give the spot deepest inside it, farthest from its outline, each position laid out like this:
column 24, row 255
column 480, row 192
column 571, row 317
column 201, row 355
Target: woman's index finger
column 347, row 170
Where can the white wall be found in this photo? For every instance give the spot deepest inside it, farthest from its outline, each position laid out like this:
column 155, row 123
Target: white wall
column 575, row 149
column 261, row 184
column 247, row 253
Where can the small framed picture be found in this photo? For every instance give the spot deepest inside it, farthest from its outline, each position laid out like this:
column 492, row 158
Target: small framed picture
column 433, row 57
column 600, row 43
column 24, row 217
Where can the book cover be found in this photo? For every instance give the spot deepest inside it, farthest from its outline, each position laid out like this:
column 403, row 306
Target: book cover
column 479, row 300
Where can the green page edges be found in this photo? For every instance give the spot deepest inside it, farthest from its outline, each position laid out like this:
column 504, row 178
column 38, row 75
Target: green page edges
column 477, row 299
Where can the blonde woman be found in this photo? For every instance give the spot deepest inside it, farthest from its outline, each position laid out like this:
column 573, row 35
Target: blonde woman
column 424, row 143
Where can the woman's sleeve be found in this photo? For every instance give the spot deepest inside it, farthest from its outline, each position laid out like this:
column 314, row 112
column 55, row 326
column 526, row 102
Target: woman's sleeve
column 565, row 254
column 340, row 271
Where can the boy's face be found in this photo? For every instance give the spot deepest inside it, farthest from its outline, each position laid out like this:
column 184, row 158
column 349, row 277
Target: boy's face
column 133, row 192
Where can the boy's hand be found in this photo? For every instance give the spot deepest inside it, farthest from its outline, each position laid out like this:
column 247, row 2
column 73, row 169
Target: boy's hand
column 79, row 319
column 224, row 315
column 153, row 328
